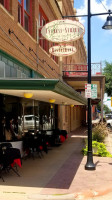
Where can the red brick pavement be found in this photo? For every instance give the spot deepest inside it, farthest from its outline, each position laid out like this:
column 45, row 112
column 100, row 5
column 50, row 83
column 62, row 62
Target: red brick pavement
column 73, row 178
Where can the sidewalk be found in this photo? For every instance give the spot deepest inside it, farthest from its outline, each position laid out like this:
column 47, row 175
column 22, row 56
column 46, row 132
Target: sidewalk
column 60, row 175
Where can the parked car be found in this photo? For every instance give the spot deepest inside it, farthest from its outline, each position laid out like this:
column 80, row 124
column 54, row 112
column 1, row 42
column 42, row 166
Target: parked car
column 109, row 120
column 30, row 122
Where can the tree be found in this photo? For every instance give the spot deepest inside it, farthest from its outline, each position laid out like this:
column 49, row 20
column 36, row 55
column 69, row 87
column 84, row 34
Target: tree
column 99, row 106
column 107, row 71
column 105, row 108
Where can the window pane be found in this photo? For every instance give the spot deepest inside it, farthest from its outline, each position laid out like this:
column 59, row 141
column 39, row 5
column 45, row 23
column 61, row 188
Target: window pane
column 10, row 63
column 19, row 14
column 13, row 72
column 2, row 68
column 4, row 59
column 43, row 22
column 2, row 2
column 26, row 22
column 16, row 66
column 39, row 19
column 18, row 74
column 7, row 71
column 23, row 75
column 27, row 5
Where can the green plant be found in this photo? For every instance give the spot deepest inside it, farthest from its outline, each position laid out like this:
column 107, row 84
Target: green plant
column 100, row 149
column 99, row 132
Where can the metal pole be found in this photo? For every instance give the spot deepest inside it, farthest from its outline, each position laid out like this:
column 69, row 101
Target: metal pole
column 60, row 65
column 101, row 102
column 89, row 165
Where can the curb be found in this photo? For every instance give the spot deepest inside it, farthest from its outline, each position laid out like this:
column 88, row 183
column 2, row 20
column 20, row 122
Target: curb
column 73, row 196
column 52, row 197
column 92, row 193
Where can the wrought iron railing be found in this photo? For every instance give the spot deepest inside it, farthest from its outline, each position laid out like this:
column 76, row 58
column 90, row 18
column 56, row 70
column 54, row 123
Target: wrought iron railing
column 72, row 70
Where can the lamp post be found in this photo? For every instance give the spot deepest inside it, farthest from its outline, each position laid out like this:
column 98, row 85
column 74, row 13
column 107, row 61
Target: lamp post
column 89, row 164
column 108, row 25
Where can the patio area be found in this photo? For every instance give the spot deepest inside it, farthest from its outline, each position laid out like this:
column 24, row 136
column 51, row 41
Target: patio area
column 37, row 174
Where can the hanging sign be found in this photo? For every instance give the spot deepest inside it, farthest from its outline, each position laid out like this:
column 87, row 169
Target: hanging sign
column 62, row 50
column 63, row 30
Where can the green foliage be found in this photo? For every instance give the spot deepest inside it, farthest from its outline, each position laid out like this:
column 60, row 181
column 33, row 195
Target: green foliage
column 105, row 108
column 99, row 149
column 107, row 71
column 99, row 106
column 99, row 132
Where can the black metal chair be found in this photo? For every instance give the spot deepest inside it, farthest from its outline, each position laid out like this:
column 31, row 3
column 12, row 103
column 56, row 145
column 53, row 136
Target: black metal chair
column 32, row 143
column 8, row 155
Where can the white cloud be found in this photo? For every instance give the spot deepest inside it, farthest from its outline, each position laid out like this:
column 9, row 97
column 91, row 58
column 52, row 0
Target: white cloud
column 96, row 7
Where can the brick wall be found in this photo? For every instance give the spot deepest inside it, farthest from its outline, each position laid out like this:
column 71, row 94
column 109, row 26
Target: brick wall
column 13, row 47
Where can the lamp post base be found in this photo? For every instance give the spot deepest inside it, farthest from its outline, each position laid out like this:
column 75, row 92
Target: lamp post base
column 90, row 165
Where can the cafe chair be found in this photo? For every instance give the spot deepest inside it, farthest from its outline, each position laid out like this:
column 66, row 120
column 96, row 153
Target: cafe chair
column 57, row 133
column 9, row 159
column 1, row 164
column 42, row 142
column 32, row 144
column 63, row 135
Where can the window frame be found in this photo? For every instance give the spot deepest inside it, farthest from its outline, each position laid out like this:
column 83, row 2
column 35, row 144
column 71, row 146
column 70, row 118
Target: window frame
column 43, row 42
column 6, row 4
column 22, row 16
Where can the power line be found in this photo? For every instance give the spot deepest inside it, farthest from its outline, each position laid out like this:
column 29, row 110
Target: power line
column 18, row 48
column 103, row 5
column 27, row 49
column 16, row 45
column 43, row 61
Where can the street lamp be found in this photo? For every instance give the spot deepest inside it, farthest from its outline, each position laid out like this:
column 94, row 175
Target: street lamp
column 108, row 25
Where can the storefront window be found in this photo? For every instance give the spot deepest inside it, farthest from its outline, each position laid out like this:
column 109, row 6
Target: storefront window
column 7, row 71
column 19, row 116
column 2, row 69
column 46, row 115
column 10, row 69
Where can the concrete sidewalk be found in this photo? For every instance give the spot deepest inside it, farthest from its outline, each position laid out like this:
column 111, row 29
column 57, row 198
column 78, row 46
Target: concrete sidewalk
column 60, row 174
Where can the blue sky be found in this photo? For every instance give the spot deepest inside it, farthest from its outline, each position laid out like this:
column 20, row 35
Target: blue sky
column 101, row 40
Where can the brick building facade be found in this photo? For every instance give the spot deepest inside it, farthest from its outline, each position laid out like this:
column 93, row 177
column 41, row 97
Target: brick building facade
column 24, row 55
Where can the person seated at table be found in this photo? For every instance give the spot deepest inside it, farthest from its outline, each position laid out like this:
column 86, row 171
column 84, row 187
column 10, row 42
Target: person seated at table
column 2, row 129
column 9, row 131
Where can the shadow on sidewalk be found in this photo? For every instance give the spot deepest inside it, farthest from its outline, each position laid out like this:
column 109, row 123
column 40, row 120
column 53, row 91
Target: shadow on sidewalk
column 65, row 175
column 56, row 169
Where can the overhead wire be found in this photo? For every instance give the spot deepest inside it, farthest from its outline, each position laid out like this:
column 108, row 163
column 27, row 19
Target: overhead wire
column 28, row 50
column 43, row 61
column 103, row 5
column 32, row 63
column 16, row 45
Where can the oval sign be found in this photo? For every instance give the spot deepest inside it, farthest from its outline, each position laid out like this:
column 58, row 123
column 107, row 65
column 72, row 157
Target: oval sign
column 63, row 30
column 62, row 50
